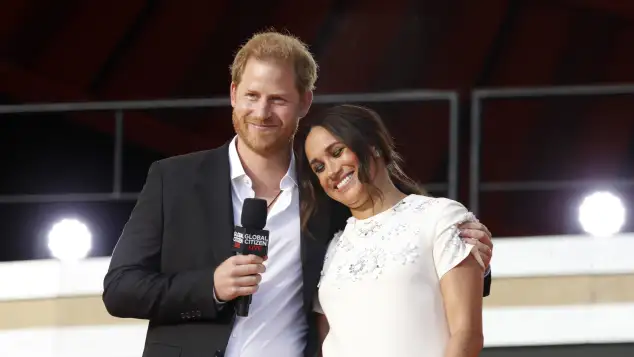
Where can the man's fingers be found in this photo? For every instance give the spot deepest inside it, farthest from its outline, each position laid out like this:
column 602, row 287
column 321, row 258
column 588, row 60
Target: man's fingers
column 246, row 259
column 483, row 248
column 472, row 233
column 486, row 260
column 249, row 280
column 475, row 226
column 469, row 225
column 246, row 290
column 486, row 257
column 480, row 245
column 238, row 276
column 487, row 241
column 477, row 235
column 485, row 252
column 248, row 269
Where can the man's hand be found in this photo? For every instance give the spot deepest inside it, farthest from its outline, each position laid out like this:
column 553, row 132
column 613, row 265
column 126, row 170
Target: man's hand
column 478, row 234
column 238, row 276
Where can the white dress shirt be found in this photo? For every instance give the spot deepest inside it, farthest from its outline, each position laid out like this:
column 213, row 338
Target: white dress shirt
column 276, row 325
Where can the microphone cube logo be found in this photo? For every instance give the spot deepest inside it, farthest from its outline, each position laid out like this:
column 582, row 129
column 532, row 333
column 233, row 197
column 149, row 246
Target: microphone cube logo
column 238, row 239
column 256, row 241
column 250, row 241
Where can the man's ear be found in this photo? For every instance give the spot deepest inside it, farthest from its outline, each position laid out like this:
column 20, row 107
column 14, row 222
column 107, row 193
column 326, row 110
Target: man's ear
column 232, row 93
column 307, row 101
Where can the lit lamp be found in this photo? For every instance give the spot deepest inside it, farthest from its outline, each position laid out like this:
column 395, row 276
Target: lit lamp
column 69, row 240
column 602, row 214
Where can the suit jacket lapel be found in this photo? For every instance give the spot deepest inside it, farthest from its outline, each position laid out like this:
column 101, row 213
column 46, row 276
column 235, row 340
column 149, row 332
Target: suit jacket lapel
column 214, row 192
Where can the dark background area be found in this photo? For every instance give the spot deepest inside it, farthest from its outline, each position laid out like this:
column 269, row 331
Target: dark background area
column 75, row 51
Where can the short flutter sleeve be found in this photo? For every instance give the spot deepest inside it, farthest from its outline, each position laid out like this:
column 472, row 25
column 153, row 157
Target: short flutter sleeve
column 449, row 248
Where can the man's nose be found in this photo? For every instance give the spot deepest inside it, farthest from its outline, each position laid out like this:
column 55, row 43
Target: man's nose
column 261, row 109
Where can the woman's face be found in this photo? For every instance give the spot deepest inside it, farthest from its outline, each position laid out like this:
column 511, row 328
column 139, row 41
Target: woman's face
column 336, row 167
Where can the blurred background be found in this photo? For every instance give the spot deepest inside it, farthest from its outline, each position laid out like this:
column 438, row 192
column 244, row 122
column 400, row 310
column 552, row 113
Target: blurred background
column 523, row 110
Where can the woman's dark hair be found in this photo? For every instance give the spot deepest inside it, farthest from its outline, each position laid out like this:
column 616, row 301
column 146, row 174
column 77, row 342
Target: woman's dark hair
column 362, row 131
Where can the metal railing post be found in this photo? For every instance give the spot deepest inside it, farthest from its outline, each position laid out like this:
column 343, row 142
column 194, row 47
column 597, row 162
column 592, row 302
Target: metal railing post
column 454, row 146
column 474, row 164
column 118, row 155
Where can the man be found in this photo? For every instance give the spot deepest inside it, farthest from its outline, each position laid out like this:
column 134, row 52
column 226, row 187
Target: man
column 173, row 263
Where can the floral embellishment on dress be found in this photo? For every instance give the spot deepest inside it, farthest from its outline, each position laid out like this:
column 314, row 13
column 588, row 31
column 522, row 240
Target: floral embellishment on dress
column 369, row 262
column 356, row 268
column 367, row 228
column 367, row 248
column 407, row 254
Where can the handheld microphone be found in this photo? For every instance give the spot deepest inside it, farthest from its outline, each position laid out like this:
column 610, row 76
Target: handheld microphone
column 251, row 238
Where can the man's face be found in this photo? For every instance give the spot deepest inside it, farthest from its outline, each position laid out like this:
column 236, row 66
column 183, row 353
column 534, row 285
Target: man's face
column 267, row 106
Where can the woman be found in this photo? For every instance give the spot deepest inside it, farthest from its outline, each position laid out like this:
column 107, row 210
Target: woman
column 398, row 280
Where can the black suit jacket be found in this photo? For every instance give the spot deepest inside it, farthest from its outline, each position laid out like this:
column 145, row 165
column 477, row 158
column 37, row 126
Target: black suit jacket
column 179, row 231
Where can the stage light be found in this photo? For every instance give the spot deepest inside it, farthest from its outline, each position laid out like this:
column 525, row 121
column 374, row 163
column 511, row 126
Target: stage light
column 602, row 214
column 69, row 240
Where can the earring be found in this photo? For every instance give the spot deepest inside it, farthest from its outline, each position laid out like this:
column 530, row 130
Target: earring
column 376, row 152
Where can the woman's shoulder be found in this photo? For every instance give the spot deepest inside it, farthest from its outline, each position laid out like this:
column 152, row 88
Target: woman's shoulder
column 434, row 208
column 421, row 203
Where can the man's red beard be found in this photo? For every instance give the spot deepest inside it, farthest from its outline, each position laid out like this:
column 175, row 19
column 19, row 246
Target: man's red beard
column 264, row 144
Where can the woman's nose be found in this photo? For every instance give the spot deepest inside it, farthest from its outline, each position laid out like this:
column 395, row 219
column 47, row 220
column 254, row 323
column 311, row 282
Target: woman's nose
column 333, row 170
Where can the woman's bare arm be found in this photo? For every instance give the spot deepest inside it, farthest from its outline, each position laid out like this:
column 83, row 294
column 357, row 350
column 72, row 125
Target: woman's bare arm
column 322, row 329
column 461, row 289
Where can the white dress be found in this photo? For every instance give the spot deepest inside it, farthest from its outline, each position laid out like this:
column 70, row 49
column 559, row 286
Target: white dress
column 380, row 288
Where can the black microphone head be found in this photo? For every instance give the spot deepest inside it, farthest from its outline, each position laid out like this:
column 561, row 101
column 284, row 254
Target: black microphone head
column 254, row 213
